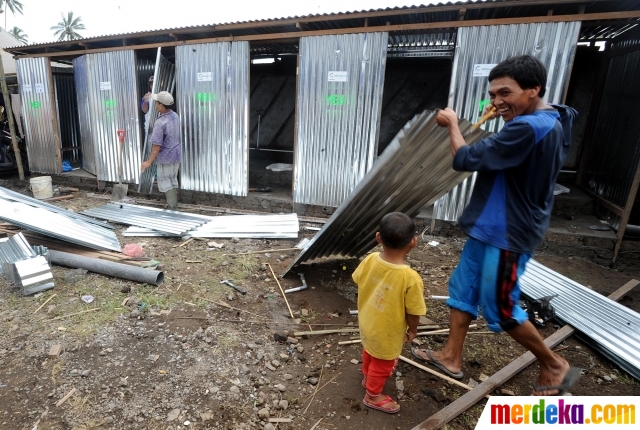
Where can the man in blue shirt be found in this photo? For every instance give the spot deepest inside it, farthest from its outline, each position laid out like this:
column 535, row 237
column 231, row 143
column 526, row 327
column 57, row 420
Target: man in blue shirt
column 507, row 216
column 165, row 150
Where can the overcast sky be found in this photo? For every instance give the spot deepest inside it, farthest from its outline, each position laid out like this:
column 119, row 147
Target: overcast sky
column 103, row 17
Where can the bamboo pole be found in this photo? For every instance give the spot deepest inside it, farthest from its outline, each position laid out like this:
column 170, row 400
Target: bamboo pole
column 281, row 290
column 12, row 128
column 42, row 305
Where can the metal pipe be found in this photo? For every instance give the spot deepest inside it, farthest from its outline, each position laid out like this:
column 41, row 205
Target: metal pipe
column 109, row 268
column 632, row 230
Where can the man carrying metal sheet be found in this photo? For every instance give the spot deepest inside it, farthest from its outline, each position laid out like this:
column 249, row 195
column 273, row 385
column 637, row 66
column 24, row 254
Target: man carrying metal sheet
column 507, row 216
column 166, row 150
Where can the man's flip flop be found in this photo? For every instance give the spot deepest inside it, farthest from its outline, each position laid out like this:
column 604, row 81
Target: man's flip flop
column 569, row 381
column 436, row 363
column 381, row 403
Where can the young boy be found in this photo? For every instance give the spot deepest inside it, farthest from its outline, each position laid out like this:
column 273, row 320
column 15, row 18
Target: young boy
column 507, row 216
column 390, row 302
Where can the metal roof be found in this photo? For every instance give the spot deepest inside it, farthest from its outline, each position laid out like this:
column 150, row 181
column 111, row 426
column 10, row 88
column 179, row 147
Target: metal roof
column 297, row 26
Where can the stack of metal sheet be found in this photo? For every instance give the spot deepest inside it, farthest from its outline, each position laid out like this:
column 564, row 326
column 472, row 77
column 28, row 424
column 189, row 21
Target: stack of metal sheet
column 160, row 220
column 284, row 226
column 414, row 170
column 23, row 267
column 14, row 249
column 610, row 327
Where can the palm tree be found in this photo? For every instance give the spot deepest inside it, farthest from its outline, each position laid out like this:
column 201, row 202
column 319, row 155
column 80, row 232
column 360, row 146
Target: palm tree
column 67, row 28
column 13, row 5
column 19, row 35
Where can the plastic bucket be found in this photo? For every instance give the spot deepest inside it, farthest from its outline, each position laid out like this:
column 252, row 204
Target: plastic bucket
column 41, row 187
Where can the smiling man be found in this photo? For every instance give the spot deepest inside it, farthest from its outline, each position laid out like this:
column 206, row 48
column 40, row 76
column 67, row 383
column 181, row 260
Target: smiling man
column 507, row 216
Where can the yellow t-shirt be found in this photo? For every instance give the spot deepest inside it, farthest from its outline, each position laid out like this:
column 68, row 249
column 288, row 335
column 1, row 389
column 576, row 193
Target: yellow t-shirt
column 386, row 291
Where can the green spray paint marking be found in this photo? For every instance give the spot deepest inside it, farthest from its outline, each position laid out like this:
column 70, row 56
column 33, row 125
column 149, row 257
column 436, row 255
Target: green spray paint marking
column 205, row 97
column 36, row 105
column 336, row 99
column 111, row 103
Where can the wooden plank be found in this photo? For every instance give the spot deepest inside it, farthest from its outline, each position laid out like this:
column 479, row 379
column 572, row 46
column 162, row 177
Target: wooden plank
column 344, row 330
column 64, row 399
column 464, row 402
column 55, row 199
column 624, row 219
column 433, row 372
column 355, row 30
column 604, row 202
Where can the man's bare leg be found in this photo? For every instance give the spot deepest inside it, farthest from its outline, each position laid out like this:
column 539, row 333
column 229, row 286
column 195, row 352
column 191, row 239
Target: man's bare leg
column 553, row 368
column 451, row 355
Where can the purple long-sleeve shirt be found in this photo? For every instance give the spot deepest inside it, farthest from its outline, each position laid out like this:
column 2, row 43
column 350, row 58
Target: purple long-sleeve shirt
column 166, row 134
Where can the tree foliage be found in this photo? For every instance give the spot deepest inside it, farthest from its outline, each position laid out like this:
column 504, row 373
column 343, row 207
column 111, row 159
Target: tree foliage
column 19, row 35
column 13, row 5
column 67, row 28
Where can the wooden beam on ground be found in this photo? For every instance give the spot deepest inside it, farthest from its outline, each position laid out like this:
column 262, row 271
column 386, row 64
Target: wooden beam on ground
column 357, row 30
column 464, row 402
column 604, row 202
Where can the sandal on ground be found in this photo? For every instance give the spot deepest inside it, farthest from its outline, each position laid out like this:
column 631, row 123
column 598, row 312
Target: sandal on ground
column 569, row 381
column 380, row 405
column 432, row 361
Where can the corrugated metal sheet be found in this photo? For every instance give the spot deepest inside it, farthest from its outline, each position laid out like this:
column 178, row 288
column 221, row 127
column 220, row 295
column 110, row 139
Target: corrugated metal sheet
column 59, row 226
column 339, row 101
column 157, row 219
column 615, row 150
column 421, row 45
column 281, row 226
column 34, row 84
column 414, row 170
column 164, row 79
column 213, row 101
column 84, row 114
column 67, row 107
column 113, row 104
column 614, row 328
column 33, row 275
column 554, row 44
column 14, row 249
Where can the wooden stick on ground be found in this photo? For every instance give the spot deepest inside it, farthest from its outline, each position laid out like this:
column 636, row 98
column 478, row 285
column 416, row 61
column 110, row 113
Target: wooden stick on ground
column 230, row 307
column 73, row 314
column 183, row 243
column 464, row 402
column 433, row 372
column 316, row 424
column 47, row 301
column 314, row 392
column 281, row 290
column 347, row 330
column 64, row 399
column 264, row 251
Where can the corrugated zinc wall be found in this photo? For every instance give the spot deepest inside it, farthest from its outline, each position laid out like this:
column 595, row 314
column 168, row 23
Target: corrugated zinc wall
column 213, row 104
column 338, row 107
column 34, row 85
column 67, row 105
column 113, row 105
column 554, row 44
column 615, row 149
column 164, row 79
column 84, row 115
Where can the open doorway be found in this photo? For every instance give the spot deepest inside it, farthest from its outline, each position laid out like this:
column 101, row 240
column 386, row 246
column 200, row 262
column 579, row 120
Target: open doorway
column 272, row 123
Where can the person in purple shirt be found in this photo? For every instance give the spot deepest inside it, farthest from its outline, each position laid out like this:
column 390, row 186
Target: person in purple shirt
column 166, row 151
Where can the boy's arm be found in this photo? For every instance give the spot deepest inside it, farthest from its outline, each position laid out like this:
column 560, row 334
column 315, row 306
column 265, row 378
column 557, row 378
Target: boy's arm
column 412, row 330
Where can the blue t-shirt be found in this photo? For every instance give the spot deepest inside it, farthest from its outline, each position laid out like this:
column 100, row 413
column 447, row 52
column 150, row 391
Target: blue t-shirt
column 517, row 167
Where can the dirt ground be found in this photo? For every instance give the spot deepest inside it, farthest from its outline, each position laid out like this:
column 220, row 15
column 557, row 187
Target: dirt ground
column 194, row 353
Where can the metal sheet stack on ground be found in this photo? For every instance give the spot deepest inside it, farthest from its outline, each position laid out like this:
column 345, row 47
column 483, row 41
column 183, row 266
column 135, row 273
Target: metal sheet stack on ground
column 213, row 104
column 34, row 84
column 414, row 170
column 84, row 115
column 164, row 79
column 554, row 44
column 58, row 225
column 338, row 108
column 14, row 249
column 113, row 104
column 6, row 194
column 283, row 226
column 172, row 222
column 612, row 328
column 32, row 275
